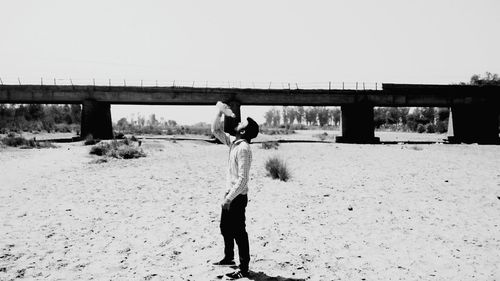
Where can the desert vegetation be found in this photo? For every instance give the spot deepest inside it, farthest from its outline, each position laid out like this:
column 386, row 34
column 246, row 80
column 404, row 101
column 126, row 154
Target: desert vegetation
column 270, row 145
column 277, row 168
column 14, row 140
column 120, row 149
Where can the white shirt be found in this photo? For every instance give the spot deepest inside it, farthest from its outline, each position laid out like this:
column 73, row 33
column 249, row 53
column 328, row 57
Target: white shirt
column 239, row 162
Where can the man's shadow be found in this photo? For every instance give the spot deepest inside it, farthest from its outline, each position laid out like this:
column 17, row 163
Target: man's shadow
column 261, row 276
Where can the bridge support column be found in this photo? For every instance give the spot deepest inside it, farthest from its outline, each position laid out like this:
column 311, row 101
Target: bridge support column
column 231, row 123
column 474, row 124
column 357, row 124
column 96, row 120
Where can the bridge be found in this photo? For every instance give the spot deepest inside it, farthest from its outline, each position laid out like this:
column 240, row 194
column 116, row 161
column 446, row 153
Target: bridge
column 474, row 113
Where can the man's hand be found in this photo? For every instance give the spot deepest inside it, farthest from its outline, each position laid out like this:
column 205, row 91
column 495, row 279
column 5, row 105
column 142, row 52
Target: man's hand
column 226, row 203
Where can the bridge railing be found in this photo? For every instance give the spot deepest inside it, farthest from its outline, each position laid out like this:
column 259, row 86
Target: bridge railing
column 325, row 85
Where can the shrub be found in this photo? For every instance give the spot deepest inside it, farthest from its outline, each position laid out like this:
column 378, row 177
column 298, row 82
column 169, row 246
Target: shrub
column 99, row 150
column 270, row 145
column 322, row 136
column 415, row 147
column 420, row 128
column 126, row 152
column 430, row 128
column 14, row 141
column 277, row 168
column 99, row 161
column 117, row 149
column 18, row 141
column 442, row 127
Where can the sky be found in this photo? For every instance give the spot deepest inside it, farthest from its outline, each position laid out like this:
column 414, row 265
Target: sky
column 259, row 41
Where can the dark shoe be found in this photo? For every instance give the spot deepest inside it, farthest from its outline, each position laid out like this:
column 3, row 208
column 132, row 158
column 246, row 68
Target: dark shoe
column 224, row 262
column 238, row 274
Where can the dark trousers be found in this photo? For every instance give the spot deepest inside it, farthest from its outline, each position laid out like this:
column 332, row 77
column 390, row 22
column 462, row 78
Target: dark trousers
column 232, row 226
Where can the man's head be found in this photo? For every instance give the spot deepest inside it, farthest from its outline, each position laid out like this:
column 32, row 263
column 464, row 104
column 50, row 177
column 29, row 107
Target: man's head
column 247, row 129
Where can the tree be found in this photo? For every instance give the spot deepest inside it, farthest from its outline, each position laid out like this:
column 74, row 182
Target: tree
column 428, row 114
column 323, row 116
column 335, row 116
column 379, row 116
column 311, row 115
column 171, row 123
column 300, row 114
column 276, row 117
column 76, row 113
column 269, row 117
column 291, row 113
column 403, row 113
column 488, row 79
column 152, row 120
column 122, row 123
column 141, row 121
column 35, row 112
column 285, row 115
column 66, row 114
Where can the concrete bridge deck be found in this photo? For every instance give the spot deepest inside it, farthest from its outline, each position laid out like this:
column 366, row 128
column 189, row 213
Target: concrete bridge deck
column 390, row 95
column 475, row 109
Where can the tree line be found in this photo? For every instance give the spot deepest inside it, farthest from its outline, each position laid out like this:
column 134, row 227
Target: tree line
column 420, row 119
column 38, row 117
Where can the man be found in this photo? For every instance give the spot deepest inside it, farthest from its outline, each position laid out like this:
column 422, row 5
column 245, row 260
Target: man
column 232, row 222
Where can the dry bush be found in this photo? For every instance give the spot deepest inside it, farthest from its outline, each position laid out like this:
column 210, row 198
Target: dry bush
column 415, row 147
column 277, row 168
column 117, row 149
column 270, row 145
column 18, row 141
column 99, row 161
column 14, row 141
column 322, row 136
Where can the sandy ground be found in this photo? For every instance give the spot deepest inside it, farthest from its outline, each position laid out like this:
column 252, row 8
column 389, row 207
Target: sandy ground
column 419, row 212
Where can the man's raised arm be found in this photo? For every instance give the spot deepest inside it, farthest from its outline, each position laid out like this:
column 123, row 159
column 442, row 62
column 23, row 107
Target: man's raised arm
column 217, row 129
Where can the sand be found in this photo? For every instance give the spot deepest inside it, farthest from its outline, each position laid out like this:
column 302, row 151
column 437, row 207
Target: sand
column 350, row 212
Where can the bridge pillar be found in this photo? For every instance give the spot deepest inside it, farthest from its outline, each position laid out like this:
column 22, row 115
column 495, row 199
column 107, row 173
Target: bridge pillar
column 357, row 124
column 96, row 120
column 474, row 124
column 231, row 123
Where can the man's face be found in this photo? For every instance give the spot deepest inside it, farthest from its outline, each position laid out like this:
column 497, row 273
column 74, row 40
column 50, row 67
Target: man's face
column 241, row 126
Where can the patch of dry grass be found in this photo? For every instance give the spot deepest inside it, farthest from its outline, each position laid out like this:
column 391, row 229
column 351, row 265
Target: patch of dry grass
column 277, row 168
column 123, row 149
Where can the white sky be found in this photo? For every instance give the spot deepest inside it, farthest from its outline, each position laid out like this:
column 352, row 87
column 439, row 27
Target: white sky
column 425, row 41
